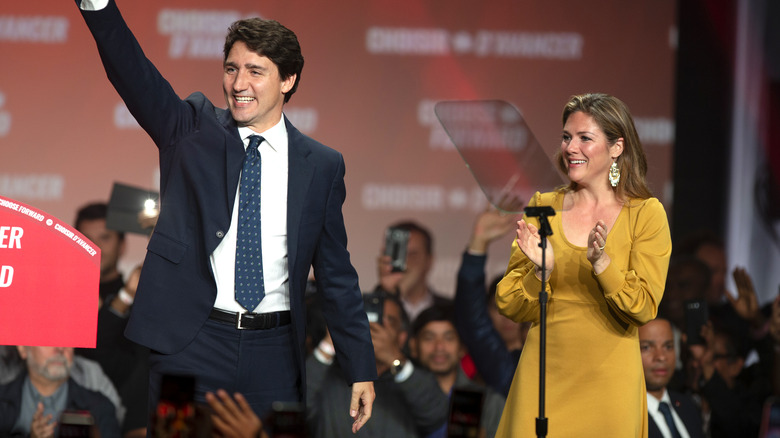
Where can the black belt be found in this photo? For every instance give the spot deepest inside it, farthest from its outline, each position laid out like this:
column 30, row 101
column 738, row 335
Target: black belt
column 251, row 321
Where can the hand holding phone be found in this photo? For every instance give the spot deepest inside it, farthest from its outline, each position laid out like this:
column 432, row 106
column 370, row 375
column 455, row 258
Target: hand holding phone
column 374, row 304
column 75, row 424
column 465, row 413
column 696, row 316
column 396, row 243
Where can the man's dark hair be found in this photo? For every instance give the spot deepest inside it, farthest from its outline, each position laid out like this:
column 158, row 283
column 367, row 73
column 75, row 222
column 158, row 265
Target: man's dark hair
column 270, row 39
column 691, row 243
column 90, row 212
column 412, row 226
column 444, row 313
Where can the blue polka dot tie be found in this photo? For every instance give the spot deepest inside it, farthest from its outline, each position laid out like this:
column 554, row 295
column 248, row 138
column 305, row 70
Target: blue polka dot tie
column 250, row 289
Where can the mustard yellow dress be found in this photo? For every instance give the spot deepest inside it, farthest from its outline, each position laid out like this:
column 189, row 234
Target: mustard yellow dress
column 594, row 380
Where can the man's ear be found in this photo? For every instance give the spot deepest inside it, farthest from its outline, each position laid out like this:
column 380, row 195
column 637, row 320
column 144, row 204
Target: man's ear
column 413, row 347
column 402, row 337
column 288, row 83
column 736, row 367
column 22, row 351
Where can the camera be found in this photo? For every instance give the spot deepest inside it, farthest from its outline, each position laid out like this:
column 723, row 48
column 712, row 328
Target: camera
column 374, row 305
column 696, row 316
column 76, row 424
column 396, row 242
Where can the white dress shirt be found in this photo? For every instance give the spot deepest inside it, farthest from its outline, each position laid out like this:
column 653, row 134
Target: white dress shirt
column 93, row 5
column 658, row 417
column 273, row 213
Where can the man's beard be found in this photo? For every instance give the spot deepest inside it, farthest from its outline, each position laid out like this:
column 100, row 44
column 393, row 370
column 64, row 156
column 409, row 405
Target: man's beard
column 50, row 370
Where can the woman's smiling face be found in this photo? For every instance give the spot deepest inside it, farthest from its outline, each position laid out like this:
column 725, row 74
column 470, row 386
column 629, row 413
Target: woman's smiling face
column 587, row 150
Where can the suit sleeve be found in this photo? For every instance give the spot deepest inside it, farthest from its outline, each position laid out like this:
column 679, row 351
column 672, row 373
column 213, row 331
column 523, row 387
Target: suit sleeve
column 495, row 363
column 145, row 92
column 340, row 297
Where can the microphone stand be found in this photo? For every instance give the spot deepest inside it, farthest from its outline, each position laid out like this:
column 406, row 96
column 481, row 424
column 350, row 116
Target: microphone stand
column 544, row 230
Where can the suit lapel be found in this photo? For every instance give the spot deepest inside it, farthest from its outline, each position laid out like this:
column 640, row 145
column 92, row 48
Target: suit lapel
column 300, row 174
column 234, row 156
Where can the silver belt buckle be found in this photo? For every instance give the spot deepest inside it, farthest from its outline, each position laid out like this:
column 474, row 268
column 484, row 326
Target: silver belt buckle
column 238, row 321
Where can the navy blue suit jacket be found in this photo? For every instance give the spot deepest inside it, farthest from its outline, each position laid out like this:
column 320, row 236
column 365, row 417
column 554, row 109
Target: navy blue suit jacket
column 201, row 156
column 688, row 412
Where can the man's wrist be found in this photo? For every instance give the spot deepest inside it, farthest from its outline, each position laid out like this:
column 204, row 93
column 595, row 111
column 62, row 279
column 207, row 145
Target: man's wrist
column 325, row 352
column 401, row 369
column 477, row 247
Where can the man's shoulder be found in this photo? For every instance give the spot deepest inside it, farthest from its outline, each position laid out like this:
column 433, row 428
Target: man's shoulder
column 299, row 140
column 12, row 388
column 679, row 397
column 198, row 101
column 84, row 397
column 101, row 408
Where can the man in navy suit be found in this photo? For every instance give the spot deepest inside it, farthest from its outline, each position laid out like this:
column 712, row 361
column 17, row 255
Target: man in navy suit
column 185, row 308
column 682, row 418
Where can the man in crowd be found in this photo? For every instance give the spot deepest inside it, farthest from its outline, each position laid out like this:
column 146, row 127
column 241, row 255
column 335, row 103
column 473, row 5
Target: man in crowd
column 409, row 401
column 124, row 361
column 671, row 414
column 436, row 346
column 412, row 284
column 32, row 403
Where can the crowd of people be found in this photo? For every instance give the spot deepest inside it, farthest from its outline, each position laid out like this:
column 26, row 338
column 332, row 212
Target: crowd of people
column 715, row 387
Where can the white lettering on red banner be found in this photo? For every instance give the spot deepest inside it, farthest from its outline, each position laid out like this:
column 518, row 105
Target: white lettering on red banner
column 32, row 186
column 195, row 34
column 11, row 237
column 420, row 198
column 482, row 43
column 6, row 276
column 5, row 117
column 40, row 29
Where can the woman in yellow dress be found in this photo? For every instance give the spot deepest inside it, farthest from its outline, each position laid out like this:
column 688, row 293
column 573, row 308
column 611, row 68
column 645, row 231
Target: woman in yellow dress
column 606, row 265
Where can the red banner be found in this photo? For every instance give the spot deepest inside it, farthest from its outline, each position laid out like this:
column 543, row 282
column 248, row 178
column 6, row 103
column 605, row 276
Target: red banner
column 49, row 277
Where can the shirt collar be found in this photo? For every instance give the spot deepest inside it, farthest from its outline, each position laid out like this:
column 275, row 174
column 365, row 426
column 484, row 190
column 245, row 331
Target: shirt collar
column 276, row 136
column 652, row 402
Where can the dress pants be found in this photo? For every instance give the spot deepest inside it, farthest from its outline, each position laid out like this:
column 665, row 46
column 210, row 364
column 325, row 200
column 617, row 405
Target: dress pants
column 260, row 364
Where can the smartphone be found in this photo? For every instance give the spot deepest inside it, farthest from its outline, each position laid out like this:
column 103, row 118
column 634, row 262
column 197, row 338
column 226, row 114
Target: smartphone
column 696, row 316
column 125, row 204
column 465, row 413
column 174, row 415
column 374, row 305
column 287, row 420
column 75, row 424
column 396, row 242
column 770, row 419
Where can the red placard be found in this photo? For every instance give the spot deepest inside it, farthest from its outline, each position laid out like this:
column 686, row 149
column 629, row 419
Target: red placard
column 49, row 279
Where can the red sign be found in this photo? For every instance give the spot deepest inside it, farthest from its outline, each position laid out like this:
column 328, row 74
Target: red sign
column 49, row 277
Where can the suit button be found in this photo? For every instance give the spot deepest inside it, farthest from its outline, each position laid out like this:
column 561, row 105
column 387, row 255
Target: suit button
column 220, row 234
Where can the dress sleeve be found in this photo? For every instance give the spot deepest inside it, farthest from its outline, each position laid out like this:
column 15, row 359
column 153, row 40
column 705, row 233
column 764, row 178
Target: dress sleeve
column 517, row 295
column 636, row 292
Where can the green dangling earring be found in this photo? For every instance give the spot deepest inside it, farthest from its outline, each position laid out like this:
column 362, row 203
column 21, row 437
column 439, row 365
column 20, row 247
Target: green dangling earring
column 614, row 174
